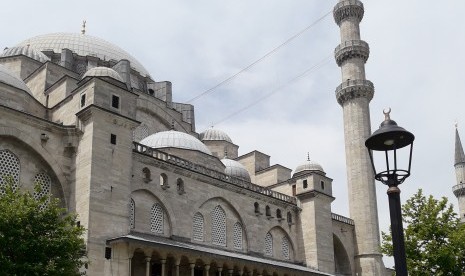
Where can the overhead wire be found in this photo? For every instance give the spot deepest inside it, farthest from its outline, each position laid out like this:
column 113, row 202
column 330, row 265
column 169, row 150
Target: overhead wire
column 315, row 67
column 260, row 59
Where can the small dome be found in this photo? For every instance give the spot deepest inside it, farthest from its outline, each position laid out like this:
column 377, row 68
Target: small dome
column 309, row 166
column 213, row 134
column 174, row 139
column 26, row 51
column 235, row 169
column 103, row 72
column 8, row 77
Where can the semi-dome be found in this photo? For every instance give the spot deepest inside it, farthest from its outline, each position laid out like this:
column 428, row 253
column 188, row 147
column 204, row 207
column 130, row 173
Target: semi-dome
column 213, row 134
column 103, row 72
column 309, row 166
column 27, row 51
column 174, row 139
column 235, row 169
column 8, row 77
column 83, row 45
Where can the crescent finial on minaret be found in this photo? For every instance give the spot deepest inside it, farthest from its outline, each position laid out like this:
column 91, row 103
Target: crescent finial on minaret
column 83, row 30
column 387, row 113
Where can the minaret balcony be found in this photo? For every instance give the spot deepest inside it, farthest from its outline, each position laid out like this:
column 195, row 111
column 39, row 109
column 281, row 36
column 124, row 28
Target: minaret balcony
column 348, row 9
column 351, row 49
column 352, row 89
column 459, row 190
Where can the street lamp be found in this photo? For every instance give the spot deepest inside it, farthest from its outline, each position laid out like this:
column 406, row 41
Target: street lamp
column 389, row 138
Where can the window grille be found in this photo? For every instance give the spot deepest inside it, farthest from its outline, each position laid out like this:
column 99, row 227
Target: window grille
column 218, row 226
column 285, row 248
column 156, row 219
column 268, row 244
column 197, row 227
column 237, row 236
column 44, row 182
column 140, row 133
column 132, row 214
column 9, row 167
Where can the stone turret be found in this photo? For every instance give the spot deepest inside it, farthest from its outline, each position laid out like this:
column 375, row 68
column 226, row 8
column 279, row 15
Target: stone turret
column 354, row 95
column 459, row 164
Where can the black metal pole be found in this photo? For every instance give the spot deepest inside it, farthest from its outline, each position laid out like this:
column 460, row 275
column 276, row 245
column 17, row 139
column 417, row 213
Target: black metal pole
column 397, row 229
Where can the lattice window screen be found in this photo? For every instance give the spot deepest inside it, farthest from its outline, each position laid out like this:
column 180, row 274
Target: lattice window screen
column 9, row 167
column 218, row 226
column 237, row 236
column 43, row 180
column 140, row 133
column 132, row 214
column 156, row 219
column 285, row 248
column 197, row 227
column 268, row 244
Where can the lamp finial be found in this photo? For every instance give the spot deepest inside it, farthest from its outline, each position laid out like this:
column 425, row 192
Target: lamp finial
column 387, row 113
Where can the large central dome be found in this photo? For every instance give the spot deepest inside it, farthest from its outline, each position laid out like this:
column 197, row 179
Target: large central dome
column 83, row 45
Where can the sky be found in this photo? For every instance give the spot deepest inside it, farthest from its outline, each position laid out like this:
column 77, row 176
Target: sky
column 416, row 64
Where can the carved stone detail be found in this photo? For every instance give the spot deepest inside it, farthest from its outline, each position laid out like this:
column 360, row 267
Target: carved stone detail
column 352, row 49
column 459, row 190
column 352, row 89
column 346, row 9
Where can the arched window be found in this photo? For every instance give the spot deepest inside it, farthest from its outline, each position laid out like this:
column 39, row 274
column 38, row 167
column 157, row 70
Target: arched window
column 322, row 184
column 257, row 208
column 285, row 248
column 237, row 235
column 289, row 218
column 156, row 219
column 218, row 226
column 147, row 175
column 268, row 211
column 180, row 186
column 268, row 244
column 197, row 227
column 278, row 214
column 9, row 168
column 132, row 214
column 164, row 180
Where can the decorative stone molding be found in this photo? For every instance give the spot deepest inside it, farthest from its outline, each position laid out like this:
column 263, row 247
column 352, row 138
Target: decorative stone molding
column 352, row 89
column 351, row 49
column 348, row 9
column 459, row 190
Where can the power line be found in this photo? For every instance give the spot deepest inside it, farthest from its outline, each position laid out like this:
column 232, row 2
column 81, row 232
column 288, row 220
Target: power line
column 274, row 91
column 260, row 59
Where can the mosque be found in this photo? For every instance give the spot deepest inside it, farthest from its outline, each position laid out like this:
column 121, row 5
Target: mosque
column 85, row 120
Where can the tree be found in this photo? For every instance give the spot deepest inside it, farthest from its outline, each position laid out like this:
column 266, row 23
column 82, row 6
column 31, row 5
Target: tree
column 37, row 236
column 434, row 237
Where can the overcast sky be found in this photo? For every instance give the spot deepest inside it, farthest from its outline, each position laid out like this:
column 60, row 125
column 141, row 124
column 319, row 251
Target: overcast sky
column 416, row 63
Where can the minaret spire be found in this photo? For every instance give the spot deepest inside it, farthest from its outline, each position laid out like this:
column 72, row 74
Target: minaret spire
column 459, row 164
column 354, row 95
column 459, row 154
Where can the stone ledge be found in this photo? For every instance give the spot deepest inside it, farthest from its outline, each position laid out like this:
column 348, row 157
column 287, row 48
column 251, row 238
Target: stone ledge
column 459, row 190
column 352, row 89
column 351, row 49
column 347, row 9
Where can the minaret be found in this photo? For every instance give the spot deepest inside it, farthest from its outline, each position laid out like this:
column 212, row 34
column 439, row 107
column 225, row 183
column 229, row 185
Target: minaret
column 354, row 95
column 459, row 164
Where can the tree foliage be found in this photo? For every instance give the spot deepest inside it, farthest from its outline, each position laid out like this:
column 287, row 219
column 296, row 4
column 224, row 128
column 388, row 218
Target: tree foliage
column 434, row 237
column 37, row 237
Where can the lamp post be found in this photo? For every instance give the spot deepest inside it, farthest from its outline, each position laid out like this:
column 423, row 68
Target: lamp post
column 388, row 139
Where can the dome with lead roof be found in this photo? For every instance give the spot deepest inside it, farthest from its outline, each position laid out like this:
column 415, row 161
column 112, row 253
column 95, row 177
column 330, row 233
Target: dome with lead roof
column 103, row 72
column 174, row 139
column 235, row 169
column 213, row 134
column 8, row 77
column 26, row 51
column 309, row 166
column 82, row 45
